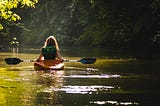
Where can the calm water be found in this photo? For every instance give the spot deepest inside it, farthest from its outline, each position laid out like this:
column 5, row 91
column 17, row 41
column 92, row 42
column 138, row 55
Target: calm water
column 115, row 79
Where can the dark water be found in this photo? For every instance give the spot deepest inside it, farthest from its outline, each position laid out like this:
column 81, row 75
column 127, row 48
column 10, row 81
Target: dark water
column 116, row 79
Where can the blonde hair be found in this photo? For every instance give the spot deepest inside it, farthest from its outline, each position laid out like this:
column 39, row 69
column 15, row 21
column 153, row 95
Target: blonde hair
column 51, row 41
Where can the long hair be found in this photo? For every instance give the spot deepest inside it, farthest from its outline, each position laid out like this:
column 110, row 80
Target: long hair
column 51, row 41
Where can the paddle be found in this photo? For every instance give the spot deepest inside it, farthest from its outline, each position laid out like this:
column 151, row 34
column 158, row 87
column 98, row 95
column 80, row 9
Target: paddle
column 14, row 61
column 87, row 60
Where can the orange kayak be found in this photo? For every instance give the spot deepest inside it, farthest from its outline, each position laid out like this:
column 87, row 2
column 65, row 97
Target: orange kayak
column 49, row 65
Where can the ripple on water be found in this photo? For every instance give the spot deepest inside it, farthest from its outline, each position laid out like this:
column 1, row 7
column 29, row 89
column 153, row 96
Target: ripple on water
column 93, row 76
column 117, row 103
column 82, row 89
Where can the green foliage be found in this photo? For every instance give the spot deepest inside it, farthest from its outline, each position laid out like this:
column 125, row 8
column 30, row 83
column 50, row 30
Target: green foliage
column 101, row 23
column 94, row 35
column 125, row 23
column 7, row 8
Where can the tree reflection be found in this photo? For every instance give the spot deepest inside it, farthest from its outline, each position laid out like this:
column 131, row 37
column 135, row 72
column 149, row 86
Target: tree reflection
column 48, row 80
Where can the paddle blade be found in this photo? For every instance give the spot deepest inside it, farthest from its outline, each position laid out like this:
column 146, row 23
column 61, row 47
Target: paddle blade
column 88, row 60
column 12, row 61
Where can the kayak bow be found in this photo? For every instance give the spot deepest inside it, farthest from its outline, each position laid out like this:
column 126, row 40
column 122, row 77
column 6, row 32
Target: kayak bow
column 49, row 65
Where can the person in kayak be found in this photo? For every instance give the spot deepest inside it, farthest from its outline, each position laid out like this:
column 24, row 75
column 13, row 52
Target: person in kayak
column 50, row 50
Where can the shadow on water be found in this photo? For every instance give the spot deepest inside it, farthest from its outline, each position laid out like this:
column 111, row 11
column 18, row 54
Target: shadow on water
column 113, row 80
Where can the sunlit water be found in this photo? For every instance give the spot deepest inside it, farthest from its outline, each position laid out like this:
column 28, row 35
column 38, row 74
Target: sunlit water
column 110, row 82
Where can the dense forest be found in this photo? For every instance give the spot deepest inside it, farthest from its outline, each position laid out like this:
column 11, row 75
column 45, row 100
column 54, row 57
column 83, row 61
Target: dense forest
column 133, row 24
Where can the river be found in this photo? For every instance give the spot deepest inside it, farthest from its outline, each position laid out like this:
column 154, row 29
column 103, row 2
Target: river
column 116, row 79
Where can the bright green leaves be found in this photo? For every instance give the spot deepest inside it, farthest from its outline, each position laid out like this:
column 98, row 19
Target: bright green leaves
column 29, row 3
column 1, row 27
column 7, row 6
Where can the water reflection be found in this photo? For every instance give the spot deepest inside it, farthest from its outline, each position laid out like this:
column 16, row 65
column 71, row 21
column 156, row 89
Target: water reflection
column 45, row 98
column 83, row 89
column 104, row 83
column 117, row 103
column 50, row 78
column 93, row 76
column 46, row 79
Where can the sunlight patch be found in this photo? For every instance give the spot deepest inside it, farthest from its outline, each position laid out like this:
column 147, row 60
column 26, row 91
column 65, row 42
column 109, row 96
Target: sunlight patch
column 113, row 103
column 93, row 76
column 83, row 89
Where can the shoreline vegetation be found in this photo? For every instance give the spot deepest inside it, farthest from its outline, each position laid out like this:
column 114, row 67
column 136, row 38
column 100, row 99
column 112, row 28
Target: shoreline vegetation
column 131, row 25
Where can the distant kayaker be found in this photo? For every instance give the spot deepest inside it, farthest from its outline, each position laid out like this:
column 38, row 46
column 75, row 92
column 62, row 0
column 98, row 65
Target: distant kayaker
column 50, row 50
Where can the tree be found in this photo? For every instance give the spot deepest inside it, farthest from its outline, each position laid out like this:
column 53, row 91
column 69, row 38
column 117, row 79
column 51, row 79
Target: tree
column 7, row 8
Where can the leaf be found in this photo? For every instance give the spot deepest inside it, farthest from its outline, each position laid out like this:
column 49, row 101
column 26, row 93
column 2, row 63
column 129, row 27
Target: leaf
column 13, row 18
column 17, row 16
column 1, row 27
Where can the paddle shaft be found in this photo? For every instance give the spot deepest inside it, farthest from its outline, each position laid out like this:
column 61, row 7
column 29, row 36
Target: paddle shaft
column 28, row 60
column 63, row 61
column 71, row 61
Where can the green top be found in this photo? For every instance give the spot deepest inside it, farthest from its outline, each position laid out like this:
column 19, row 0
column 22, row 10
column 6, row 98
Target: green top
column 49, row 52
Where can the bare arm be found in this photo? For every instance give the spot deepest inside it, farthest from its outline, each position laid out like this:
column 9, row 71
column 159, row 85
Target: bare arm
column 40, row 58
column 59, row 55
